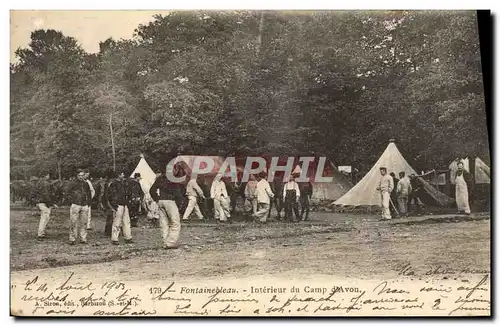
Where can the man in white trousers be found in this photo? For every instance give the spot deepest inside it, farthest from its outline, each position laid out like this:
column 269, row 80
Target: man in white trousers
column 251, row 193
column 45, row 204
column 118, row 196
column 386, row 185
column 218, row 193
column 193, row 191
column 92, row 193
column 167, row 193
column 264, row 195
column 79, row 199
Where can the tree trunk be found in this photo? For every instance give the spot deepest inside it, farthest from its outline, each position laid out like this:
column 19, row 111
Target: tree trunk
column 59, row 170
column 261, row 29
column 112, row 141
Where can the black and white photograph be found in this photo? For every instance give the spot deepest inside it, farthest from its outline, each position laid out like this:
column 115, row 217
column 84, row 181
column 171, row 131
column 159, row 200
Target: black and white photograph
column 258, row 163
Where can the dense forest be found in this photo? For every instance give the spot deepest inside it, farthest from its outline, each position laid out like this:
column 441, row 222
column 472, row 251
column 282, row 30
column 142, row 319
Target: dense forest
column 339, row 84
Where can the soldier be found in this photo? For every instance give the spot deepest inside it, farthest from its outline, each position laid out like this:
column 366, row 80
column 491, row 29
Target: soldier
column 278, row 200
column 45, row 202
column 306, row 190
column 104, row 204
column 207, row 205
column 92, row 193
column 385, row 187
column 234, row 190
column 264, row 196
column 394, row 195
column 119, row 198
column 193, row 191
column 464, row 183
column 165, row 193
column 291, row 195
column 80, row 198
column 136, row 197
column 218, row 193
column 251, row 193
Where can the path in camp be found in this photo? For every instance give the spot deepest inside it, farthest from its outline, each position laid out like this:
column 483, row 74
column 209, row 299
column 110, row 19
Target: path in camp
column 343, row 245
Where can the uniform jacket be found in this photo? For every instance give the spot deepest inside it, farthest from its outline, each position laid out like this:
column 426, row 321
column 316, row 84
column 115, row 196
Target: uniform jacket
column 193, row 189
column 45, row 192
column 404, row 187
column 135, row 189
column 168, row 190
column 118, row 193
column 251, row 189
column 218, row 189
column 264, row 192
column 386, row 184
column 291, row 185
column 79, row 193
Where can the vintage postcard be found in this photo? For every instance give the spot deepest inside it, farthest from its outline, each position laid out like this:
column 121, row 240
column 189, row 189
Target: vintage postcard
column 249, row 163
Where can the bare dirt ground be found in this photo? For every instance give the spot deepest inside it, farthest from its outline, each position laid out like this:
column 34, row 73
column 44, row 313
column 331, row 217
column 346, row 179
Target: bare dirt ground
column 343, row 245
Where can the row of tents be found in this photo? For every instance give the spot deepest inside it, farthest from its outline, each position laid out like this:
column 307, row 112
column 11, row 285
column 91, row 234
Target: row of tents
column 340, row 190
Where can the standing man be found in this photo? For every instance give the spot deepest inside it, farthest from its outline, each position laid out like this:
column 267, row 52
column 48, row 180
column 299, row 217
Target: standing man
column 462, row 180
column 165, row 193
column 403, row 190
column 306, row 190
column 234, row 189
column 264, row 196
column 193, row 191
column 394, row 195
column 136, row 197
column 119, row 198
column 291, row 195
column 104, row 204
column 45, row 203
column 414, row 194
column 92, row 194
column 385, row 187
column 80, row 198
column 149, row 205
column 278, row 200
column 207, row 205
column 251, row 193
column 218, row 193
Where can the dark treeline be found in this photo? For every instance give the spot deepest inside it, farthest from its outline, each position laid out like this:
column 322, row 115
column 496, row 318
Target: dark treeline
column 339, row 84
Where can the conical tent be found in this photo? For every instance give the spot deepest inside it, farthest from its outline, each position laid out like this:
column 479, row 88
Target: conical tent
column 147, row 174
column 365, row 192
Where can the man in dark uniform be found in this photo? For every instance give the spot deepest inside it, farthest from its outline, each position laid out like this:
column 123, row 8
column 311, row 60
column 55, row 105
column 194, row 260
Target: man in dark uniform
column 136, row 197
column 278, row 202
column 104, row 204
column 415, row 194
column 45, row 201
column 119, row 198
column 394, row 195
column 207, row 204
column 167, row 194
column 80, row 198
column 306, row 190
column 234, row 191
column 291, row 196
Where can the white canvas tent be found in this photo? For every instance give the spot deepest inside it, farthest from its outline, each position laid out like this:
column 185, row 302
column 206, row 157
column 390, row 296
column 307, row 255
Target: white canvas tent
column 482, row 171
column 147, row 174
column 365, row 193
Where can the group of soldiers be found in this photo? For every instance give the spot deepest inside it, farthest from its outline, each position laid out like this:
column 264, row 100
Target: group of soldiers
column 401, row 195
column 122, row 200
